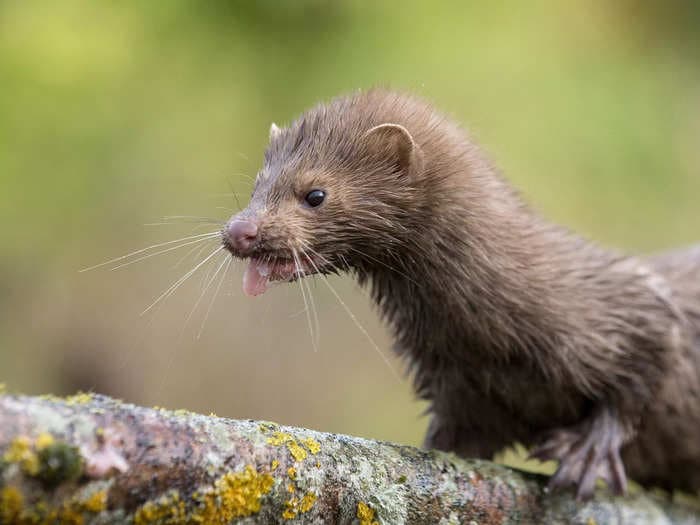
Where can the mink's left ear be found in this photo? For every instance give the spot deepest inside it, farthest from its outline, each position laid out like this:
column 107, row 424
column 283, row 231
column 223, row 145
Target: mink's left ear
column 274, row 131
column 395, row 142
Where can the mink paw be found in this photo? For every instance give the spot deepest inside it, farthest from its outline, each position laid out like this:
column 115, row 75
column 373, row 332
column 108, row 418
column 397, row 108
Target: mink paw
column 586, row 452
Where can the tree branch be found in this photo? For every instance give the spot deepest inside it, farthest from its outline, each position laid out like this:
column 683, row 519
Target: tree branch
column 91, row 459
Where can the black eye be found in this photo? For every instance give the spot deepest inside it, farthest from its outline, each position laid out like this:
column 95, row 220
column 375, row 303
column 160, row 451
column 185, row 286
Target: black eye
column 315, row 198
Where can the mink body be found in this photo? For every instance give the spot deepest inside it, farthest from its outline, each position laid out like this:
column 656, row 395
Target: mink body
column 515, row 329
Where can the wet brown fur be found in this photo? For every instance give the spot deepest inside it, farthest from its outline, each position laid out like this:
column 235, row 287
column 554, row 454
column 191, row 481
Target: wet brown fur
column 514, row 328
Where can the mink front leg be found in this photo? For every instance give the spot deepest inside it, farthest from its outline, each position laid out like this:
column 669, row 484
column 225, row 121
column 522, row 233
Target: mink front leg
column 587, row 451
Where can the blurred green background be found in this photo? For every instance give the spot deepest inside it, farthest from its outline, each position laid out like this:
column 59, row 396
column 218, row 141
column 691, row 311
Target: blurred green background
column 115, row 114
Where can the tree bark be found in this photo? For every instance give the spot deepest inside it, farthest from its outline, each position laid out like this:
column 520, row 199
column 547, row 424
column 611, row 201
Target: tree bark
column 91, row 459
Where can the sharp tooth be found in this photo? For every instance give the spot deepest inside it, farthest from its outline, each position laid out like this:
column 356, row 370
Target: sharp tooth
column 264, row 269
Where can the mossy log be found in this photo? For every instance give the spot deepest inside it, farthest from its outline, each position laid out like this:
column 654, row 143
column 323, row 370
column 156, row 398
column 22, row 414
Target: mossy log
column 91, row 459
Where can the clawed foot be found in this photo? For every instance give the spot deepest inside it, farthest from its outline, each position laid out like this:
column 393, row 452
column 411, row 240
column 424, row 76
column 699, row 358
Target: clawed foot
column 586, row 452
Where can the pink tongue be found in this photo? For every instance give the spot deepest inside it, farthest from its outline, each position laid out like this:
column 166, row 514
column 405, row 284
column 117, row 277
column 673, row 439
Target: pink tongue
column 254, row 282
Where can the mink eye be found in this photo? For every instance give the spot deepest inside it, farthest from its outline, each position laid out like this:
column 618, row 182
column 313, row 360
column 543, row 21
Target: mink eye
column 315, row 198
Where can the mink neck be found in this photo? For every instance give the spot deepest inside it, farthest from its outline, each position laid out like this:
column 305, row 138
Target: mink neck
column 496, row 275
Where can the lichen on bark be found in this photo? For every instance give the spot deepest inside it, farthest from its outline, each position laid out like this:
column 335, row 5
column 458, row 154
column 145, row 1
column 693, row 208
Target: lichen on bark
column 91, row 459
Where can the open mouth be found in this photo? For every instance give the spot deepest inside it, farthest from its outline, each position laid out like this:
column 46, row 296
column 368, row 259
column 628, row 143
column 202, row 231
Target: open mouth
column 263, row 270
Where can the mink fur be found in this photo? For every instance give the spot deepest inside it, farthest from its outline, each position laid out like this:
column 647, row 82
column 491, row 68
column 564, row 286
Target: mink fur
column 515, row 329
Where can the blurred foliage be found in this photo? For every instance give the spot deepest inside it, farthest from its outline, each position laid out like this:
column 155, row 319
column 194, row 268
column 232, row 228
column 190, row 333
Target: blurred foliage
column 113, row 114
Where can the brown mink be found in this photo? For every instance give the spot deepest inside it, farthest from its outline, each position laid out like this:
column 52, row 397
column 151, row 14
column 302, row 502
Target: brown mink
column 515, row 329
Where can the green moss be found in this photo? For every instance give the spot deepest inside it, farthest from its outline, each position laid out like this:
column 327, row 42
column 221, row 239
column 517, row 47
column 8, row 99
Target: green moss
column 59, row 462
column 50, row 461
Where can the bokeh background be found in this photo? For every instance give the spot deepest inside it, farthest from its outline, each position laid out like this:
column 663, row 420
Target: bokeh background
column 114, row 115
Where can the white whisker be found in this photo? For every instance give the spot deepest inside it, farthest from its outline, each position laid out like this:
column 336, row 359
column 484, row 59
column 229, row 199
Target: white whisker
column 181, row 280
column 202, row 294
column 199, row 250
column 159, row 252
column 388, row 266
column 213, row 299
column 303, row 294
column 192, row 218
column 314, row 311
column 142, row 250
column 355, row 320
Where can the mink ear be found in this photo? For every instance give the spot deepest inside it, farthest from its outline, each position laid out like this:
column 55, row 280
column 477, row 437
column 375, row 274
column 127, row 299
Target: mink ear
column 274, row 131
column 395, row 141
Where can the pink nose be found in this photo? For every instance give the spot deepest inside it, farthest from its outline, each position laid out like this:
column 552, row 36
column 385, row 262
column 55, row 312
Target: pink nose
column 242, row 234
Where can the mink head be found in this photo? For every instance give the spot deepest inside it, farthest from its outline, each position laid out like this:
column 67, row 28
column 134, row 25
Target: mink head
column 338, row 189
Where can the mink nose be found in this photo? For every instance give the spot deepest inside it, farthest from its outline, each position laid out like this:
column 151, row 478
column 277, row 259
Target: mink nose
column 242, row 234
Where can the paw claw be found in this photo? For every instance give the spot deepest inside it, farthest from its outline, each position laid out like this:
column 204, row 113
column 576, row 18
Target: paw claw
column 587, row 452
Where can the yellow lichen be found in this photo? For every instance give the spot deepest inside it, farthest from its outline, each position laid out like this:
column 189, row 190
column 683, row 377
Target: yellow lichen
column 283, row 438
column 296, row 451
column 68, row 515
column 292, row 473
column 274, row 464
column 44, row 440
column 79, row 398
column 295, row 506
column 234, row 495
column 366, row 514
column 169, row 509
column 71, row 512
column 291, row 488
column 279, row 438
column 313, row 445
column 97, row 502
column 11, row 504
column 21, row 453
column 268, row 426
column 307, row 502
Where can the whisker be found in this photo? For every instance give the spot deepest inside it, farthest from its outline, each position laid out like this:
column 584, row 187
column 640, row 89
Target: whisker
column 314, row 311
column 159, row 252
column 199, row 249
column 308, row 247
column 388, row 266
column 192, row 218
column 213, row 299
column 235, row 194
column 303, row 295
column 181, row 280
column 345, row 262
column 142, row 250
column 356, row 321
column 240, row 173
column 205, row 276
column 202, row 294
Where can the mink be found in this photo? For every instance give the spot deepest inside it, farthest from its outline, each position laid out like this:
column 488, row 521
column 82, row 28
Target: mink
column 514, row 329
